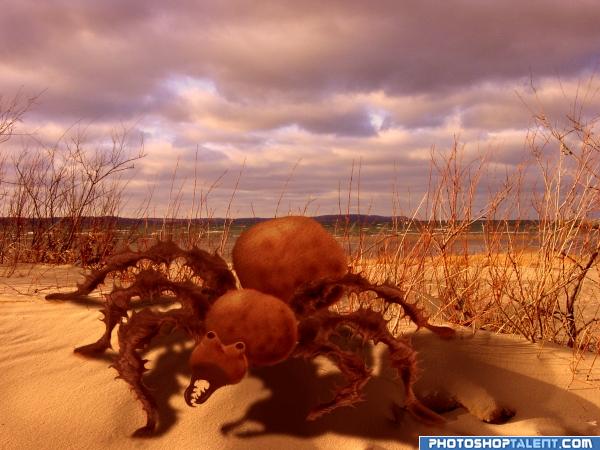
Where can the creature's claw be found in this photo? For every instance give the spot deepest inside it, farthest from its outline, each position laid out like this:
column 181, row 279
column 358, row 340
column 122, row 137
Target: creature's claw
column 92, row 349
column 423, row 413
column 148, row 430
column 500, row 415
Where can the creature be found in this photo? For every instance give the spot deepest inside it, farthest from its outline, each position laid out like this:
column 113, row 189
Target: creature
column 291, row 271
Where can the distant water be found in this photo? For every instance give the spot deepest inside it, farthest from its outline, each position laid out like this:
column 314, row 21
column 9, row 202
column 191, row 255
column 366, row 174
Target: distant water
column 375, row 241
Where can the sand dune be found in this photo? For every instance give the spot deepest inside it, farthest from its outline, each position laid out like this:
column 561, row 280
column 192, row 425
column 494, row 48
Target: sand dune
column 52, row 398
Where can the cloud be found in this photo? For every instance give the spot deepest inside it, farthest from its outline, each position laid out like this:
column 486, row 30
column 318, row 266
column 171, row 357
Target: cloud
column 119, row 51
column 340, row 116
column 266, row 85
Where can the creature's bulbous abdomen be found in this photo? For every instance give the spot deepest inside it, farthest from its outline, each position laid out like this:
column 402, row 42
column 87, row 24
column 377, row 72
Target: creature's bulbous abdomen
column 279, row 255
column 264, row 323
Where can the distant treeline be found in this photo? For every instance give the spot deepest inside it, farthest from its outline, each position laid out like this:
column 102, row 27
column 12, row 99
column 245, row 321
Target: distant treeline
column 330, row 220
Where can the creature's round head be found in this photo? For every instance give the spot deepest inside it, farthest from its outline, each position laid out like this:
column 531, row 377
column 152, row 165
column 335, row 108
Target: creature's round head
column 215, row 364
column 246, row 327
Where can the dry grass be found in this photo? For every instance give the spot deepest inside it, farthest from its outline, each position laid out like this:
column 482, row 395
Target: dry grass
column 525, row 263
column 535, row 275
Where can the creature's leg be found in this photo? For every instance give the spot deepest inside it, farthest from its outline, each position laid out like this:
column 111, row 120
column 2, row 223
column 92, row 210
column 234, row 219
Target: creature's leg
column 148, row 284
column 116, row 263
column 90, row 282
column 315, row 341
column 210, row 267
column 404, row 359
column 372, row 326
column 135, row 335
column 353, row 367
column 417, row 314
column 117, row 303
column 322, row 294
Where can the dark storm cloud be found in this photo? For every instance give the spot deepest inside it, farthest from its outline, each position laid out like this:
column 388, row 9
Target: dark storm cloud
column 120, row 52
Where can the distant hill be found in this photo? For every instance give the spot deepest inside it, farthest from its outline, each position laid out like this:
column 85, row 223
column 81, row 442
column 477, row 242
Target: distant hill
column 328, row 219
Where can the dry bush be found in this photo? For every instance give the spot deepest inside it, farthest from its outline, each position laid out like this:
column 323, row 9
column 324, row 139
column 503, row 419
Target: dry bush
column 12, row 111
column 544, row 298
column 190, row 220
column 60, row 204
column 525, row 263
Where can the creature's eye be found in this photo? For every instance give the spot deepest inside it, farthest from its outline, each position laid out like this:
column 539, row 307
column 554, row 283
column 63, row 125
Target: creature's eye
column 211, row 335
column 240, row 346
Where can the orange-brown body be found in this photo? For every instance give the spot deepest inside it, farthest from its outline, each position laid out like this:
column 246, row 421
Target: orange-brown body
column 292, row 272
column 265, row 324
column 279, row 255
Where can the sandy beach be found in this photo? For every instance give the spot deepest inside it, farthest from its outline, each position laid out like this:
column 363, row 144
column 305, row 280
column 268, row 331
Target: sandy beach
column 52, row 398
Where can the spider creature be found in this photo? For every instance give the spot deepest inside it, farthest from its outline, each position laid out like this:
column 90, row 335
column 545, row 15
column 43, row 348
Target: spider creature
column 292, row 271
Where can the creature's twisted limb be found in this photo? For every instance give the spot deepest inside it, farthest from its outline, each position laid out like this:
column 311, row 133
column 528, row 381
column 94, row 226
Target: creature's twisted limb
column 370, row 325
column 135, row 335
column 149, row 283
column 350, row 364
column 321, row 294
column 213, row 269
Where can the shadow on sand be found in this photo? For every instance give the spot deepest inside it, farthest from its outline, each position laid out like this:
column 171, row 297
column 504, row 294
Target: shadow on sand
column 296, row 385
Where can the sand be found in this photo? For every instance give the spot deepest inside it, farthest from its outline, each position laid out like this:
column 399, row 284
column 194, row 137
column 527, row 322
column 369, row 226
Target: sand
column 52, row 398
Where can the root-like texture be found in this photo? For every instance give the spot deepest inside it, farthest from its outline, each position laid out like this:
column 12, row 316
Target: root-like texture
column 315, row 333
column 134, row 336
column 324, row 293
column 351, row 365
column 151, row 283
column 317, row 324
column 210, row 267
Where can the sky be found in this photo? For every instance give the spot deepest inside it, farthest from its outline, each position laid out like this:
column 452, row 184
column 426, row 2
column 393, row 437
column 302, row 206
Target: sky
column 282, row 102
